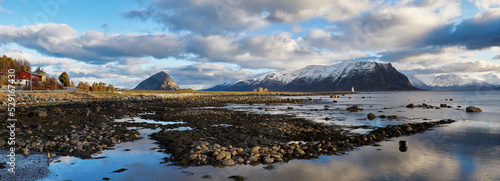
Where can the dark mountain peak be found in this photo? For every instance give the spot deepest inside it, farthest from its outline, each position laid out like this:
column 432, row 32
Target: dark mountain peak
column 159, row 81
column 363, row 75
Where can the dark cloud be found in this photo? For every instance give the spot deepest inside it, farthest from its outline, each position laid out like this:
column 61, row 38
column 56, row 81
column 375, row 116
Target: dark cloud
column 205, row 75
column 403, row 55
column 472, row 33
column 460, row 67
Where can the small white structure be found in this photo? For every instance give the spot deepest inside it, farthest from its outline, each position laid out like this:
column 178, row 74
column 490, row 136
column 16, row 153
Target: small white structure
column 352, row 89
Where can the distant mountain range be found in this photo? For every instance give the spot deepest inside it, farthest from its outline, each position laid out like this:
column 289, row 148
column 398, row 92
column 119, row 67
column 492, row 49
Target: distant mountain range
column 159, row 81
column 362, row 75
column 458, row 82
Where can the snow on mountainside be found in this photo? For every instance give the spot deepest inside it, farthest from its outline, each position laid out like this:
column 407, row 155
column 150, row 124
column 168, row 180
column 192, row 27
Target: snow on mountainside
column 416, row 82
column 454, row 80
column 317, row 72
column 491, row 79
column 363, row 75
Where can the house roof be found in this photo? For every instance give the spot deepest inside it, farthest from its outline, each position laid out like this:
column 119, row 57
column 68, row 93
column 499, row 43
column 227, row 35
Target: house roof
column 32, row 73
column 40, row 72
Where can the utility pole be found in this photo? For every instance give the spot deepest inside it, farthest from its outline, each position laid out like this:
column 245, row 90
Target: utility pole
column 31, row 81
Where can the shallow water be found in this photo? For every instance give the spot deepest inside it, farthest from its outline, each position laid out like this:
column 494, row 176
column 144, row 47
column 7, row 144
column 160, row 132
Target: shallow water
column 465, row 150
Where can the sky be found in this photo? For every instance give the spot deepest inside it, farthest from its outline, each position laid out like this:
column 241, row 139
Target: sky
column 201, row 43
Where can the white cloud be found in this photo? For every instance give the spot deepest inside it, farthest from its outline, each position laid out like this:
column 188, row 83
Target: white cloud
column 487, row 4
column 209, row 17
column 279, row 51
column 447, row 60
column 388, row 27
column 63, row 41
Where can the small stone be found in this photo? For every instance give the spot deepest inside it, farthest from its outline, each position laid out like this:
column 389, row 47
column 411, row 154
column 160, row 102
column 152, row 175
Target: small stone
column 26, row 151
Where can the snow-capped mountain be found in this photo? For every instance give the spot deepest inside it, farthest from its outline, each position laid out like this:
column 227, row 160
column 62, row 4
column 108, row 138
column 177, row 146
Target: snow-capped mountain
column 417, row 82
column 222, row 86
column 491, row 78
column 456, row 81
column 363, row 75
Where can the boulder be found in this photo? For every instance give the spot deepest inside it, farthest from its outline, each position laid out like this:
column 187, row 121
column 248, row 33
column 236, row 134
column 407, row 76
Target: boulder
column 473, row 109
column 228, row 162
column 371, row 116
column 410, row 106
column 353, row 108
column 255, row 150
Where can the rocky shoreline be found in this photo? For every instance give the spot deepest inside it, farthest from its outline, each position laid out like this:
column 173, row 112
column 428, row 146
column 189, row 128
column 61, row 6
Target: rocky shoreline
column 216, row 136
column 85, row 127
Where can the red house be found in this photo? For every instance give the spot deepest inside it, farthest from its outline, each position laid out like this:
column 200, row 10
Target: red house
column 27, row 75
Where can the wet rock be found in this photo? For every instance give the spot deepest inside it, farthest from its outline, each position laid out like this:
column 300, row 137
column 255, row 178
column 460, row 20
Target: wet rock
column 228, row 162
column 269, row 167
column 300, row 151
column 410, row 106
column 473, row 109
column 392, row 117
column 223, row 155
column 403, row 143
column 120, row 170
column 371, row 116
column 240, row 160
column 253, row 159
column 38, row 113
column 237, row 178
column 268, row 159
column 255, row 150
column 206, row 177
column 353, row 108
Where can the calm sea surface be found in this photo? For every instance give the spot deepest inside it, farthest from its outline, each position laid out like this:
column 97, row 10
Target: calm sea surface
column 465, row 150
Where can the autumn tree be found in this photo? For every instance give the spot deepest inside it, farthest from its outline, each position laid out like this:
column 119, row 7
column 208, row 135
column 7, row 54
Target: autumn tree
column 64, row 79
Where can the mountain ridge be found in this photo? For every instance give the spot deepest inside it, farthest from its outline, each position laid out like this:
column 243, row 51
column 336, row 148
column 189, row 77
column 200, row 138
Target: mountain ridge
column 158, row 81
column 363, row 75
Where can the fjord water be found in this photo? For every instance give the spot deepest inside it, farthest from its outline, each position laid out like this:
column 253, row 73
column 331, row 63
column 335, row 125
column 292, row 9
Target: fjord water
column 468, row 149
